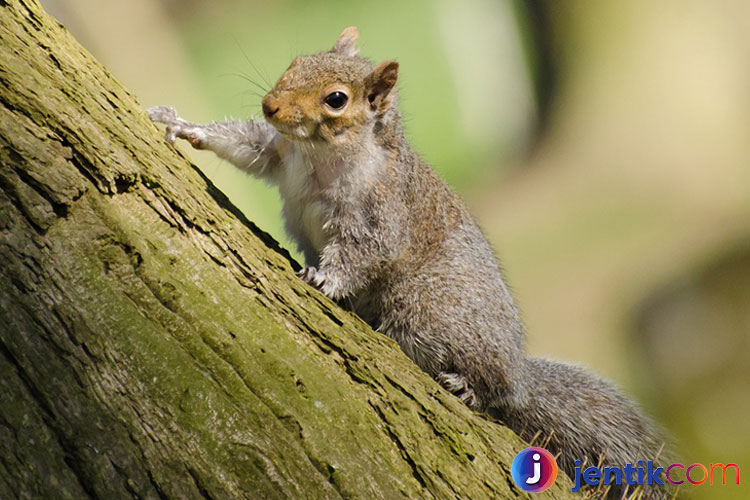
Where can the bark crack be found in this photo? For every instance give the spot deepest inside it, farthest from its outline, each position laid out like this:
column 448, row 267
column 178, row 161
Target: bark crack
column 402, row 449
column 50, row 420
column 199, row 484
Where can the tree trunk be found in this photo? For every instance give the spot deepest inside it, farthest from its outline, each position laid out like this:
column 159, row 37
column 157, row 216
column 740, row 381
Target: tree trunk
column 155, row 344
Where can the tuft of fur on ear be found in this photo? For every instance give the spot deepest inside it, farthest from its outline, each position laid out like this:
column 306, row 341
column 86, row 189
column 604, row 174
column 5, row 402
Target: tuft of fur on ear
column 345, row 44
column 379, row 84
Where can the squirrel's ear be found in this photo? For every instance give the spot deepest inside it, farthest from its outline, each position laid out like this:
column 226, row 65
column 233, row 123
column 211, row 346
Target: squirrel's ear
column 345, row 44
column 379, row 84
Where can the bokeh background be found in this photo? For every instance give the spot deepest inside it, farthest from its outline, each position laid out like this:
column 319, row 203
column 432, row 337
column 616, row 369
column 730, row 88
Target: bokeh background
column 603, row 146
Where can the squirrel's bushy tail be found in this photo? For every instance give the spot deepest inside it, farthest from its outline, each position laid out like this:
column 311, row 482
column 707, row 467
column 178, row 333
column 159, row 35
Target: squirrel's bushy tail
column 576, row 414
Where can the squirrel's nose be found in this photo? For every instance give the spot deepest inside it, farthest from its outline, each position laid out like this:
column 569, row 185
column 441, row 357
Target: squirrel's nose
column 270, row 107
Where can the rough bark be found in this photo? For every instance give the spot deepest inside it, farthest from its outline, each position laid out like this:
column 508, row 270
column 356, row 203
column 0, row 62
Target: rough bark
column 155, row 344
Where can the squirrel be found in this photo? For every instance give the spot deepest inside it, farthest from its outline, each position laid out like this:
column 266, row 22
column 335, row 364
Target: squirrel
column 379, row 228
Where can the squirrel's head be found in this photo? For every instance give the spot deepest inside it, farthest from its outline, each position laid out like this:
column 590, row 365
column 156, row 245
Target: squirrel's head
column 331, row 96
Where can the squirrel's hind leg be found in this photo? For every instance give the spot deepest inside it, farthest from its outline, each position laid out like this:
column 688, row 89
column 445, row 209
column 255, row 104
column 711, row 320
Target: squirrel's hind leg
column 459, row 387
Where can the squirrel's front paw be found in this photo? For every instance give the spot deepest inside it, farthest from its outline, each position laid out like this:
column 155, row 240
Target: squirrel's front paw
column 323, row 281
column 313, row 277
column 177, row 127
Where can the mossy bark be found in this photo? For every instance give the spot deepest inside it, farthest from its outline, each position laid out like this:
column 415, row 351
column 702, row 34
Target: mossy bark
column 155, row 344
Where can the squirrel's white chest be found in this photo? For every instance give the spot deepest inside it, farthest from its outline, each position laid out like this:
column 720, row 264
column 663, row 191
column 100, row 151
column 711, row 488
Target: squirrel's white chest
column 305, row 209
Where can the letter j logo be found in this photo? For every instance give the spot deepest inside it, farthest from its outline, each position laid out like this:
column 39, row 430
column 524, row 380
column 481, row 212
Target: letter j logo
column 534, row 469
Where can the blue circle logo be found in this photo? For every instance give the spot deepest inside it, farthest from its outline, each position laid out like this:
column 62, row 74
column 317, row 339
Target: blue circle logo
column 534, row 469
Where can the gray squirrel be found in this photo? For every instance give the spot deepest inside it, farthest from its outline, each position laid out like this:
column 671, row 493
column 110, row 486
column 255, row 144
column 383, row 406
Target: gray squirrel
column 379, row 228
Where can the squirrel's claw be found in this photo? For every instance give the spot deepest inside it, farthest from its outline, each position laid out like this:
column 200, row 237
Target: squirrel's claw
column 312, row 277
column 163, row 114
column 176, row 126
column 325, row 282
column 169, row 117
column 459, row 387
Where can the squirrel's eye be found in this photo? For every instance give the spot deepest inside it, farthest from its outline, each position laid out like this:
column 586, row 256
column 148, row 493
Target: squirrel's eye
column 336, row 100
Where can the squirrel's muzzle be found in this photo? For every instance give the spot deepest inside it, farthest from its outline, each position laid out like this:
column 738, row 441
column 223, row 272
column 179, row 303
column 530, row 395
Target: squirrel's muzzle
column 270, row 106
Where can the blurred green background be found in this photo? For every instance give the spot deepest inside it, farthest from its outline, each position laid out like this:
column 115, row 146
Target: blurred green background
column 603, row 146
